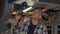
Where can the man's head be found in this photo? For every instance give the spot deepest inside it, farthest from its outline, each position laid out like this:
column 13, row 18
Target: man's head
column 18, row 16
column 36, row 14
column 17, row 19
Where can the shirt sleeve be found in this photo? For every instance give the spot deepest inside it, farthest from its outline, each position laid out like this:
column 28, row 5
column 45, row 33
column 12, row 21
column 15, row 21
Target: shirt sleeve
column 16, row 29
column 44, row 31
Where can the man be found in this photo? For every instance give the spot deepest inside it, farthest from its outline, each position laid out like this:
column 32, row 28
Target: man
column 33, row 26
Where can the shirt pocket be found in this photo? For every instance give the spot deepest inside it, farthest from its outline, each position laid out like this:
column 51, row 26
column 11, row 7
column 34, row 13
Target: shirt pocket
column 39, row 31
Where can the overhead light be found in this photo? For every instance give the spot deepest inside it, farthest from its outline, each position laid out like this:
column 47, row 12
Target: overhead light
column 29, row 2
column 27, row 9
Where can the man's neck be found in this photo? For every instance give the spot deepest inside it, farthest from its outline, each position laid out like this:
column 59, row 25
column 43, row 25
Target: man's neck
column 34, row 22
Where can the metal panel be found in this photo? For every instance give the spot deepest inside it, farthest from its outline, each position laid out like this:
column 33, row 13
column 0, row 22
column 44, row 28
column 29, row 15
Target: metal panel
column 51, row 1
column 1, row 7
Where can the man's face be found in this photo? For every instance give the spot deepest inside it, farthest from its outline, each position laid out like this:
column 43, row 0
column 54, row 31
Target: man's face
column 36, row 14
column 17, row 17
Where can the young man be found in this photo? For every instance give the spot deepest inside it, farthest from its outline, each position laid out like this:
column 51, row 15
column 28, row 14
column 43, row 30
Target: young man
column 33, row 26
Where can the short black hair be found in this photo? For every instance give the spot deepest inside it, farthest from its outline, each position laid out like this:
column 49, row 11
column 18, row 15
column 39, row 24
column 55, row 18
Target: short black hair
column 21, row 14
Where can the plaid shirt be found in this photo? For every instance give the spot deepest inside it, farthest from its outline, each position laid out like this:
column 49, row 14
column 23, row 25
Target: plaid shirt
column 23, row 29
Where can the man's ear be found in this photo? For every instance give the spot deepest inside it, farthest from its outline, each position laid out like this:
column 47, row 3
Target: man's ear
column 25, row 19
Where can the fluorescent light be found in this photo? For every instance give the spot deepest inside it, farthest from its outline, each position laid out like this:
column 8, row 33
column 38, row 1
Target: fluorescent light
column 27, row 9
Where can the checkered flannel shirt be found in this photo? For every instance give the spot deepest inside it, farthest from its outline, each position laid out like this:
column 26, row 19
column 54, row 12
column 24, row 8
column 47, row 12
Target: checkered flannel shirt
column 23, row 29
